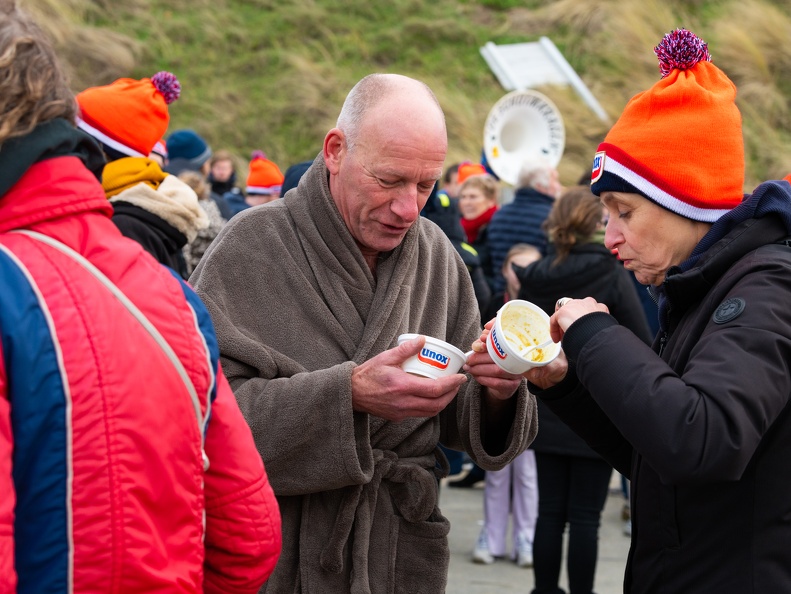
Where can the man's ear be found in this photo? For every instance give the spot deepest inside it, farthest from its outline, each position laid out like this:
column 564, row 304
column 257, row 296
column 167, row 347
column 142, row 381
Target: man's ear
column 334, row 150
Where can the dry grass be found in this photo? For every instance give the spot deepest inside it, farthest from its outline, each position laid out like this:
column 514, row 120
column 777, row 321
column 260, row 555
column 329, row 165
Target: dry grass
column 91, row 55
column 272, row 75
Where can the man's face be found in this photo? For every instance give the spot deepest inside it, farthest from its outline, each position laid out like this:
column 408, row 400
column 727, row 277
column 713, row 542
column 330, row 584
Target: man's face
column 453, row 185
column 256, row 199
column 381, row 186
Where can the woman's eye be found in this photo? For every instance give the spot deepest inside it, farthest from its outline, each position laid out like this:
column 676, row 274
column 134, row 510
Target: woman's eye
column 624, row 215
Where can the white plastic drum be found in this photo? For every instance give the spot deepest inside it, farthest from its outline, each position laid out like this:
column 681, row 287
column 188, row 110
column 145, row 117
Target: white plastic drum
column 522, row 125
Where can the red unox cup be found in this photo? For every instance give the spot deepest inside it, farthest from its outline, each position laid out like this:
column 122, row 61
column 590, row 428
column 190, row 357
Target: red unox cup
column 520, row 324
column 436, row 359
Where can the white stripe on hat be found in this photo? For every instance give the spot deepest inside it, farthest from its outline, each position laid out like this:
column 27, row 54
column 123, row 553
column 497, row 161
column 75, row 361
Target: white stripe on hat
column 102, row 137
column 662, row 198
column 263, row 189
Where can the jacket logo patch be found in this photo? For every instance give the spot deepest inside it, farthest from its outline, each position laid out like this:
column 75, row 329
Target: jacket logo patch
column 728, row 310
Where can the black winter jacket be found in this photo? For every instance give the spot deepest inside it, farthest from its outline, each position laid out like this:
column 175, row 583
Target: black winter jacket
column 590, row 270
column 519, row 221
column 158, row 237
column 701, row 423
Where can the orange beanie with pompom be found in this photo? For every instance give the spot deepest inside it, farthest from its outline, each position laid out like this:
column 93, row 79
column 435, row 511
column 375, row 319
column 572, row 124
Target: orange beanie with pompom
column 679, row 143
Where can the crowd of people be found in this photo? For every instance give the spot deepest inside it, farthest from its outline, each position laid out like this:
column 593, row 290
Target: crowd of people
column 200, row 380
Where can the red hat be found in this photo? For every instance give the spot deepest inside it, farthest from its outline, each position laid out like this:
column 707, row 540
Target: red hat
column 679, row 143
column 468, row 169
column 129, row 115
column 265, row 176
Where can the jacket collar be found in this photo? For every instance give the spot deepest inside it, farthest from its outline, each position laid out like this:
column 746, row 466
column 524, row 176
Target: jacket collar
column 51, row 189
column 530, row 195
column 685, row 288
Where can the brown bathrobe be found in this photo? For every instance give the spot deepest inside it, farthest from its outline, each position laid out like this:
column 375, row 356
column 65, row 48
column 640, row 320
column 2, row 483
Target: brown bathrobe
column 296, row 308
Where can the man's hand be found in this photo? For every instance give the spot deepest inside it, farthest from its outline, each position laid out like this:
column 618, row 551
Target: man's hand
column 381, row 388
column 499, row 384
column 549, row 375
column 543, row 377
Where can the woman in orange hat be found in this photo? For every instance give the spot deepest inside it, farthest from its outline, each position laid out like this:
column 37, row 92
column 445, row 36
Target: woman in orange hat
column 701, row 421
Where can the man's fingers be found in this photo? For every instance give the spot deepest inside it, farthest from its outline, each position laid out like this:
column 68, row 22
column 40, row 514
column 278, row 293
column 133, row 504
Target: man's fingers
column 405, row 350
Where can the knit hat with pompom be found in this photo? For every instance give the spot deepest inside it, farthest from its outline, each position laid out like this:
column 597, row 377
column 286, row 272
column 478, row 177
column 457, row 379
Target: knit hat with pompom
column 679, row 143
column 265, row 176
column 129, row 116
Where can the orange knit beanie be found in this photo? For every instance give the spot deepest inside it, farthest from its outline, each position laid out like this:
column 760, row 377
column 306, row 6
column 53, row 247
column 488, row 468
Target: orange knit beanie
column 129, row 116
column 679, row 143
column 468, row 169
column 265, row 176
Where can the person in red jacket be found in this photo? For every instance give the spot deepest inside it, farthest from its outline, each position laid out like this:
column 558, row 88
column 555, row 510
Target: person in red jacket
column 125, row 463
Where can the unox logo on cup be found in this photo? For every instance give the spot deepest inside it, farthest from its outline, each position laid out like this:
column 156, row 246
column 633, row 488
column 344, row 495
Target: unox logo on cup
column 598, row 166
column 433, row 358
column 496, row 344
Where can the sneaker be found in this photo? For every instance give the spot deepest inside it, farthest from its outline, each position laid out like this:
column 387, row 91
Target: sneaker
column 524, row 552
column 481, row 552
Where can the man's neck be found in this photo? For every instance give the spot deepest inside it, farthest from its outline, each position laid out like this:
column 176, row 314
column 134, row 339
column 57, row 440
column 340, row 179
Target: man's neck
column 371, row 258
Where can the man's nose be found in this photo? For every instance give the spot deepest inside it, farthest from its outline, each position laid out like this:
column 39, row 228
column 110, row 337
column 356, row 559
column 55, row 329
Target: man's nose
column 405, row 205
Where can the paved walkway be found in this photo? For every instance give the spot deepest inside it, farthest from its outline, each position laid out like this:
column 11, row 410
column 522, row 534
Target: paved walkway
column 464, row 509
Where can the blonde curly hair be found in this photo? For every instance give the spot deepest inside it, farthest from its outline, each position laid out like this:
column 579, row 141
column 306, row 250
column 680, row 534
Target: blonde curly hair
column 33, row 86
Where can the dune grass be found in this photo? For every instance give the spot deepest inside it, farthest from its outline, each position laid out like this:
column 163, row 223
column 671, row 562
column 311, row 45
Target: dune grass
column 260, row 74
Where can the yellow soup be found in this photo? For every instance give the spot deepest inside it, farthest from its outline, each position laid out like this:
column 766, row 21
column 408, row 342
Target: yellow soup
column 523, row 328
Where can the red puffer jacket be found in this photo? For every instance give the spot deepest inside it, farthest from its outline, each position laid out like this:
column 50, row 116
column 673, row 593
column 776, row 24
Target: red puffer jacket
column 102, row 480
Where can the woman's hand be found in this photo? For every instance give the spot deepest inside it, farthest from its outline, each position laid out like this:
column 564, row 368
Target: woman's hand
column 568, row 311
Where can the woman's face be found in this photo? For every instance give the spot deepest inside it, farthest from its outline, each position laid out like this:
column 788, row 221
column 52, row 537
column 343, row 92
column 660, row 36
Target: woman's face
column 649, row 239
column 221, row 171
column 473, row 203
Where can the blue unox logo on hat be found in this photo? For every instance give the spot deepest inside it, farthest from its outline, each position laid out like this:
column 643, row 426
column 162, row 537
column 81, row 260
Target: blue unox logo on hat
column 496, row 344
column 598, row 166
column 433, row 358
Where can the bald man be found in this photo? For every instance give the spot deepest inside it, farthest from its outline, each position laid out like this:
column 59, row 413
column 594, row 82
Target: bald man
column 309, row 295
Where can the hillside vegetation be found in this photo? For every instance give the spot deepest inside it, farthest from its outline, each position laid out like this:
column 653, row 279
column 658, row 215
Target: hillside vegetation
column 261, row 74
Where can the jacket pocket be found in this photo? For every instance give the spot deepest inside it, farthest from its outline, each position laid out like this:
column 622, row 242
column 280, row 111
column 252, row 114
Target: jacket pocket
column 420, row 555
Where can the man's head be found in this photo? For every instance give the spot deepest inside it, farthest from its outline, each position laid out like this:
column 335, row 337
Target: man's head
column 539, row 175
column 384, row 157
column 450, row 181
column 263, row 181
column 33, row 88
column 188, row 150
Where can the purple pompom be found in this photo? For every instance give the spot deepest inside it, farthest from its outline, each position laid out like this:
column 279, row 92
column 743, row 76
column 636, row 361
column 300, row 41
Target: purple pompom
column 681, row 49
column 167, row 84
column 258, row 155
